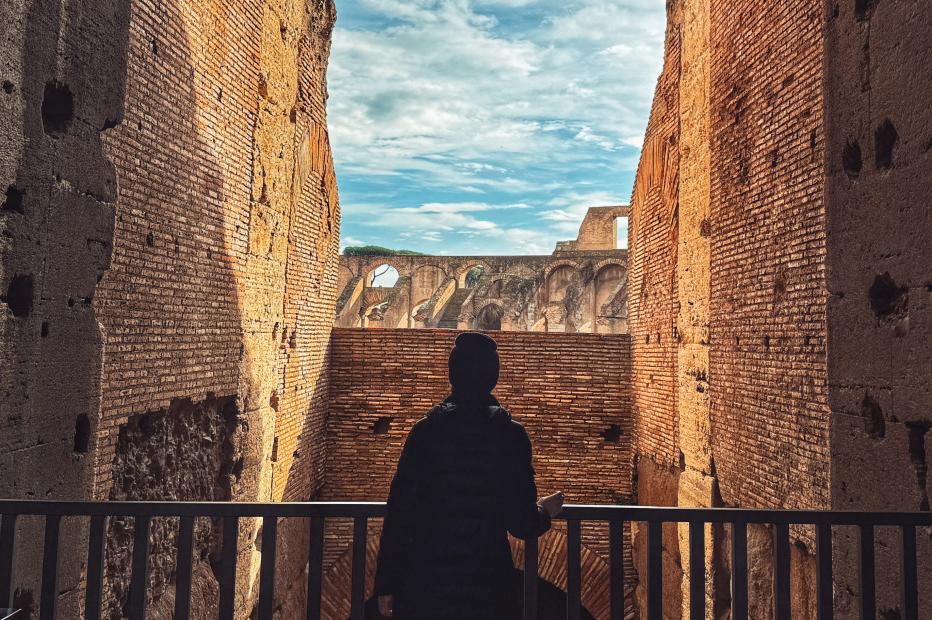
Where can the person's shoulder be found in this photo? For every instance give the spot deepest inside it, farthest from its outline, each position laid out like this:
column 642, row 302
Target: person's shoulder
column 512, row 429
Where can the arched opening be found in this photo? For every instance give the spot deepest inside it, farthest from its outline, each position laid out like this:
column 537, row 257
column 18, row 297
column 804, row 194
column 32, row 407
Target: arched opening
column 374, row 315
column 489, row 318
column 608, row 302
column 551, row 600
column 383, row 276
column 558, row 281
column 470, row 277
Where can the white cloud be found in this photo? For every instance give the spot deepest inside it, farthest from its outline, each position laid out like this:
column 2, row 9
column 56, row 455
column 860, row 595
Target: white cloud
column 488, row 97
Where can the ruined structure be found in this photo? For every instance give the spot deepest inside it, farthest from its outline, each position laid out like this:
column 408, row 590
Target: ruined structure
column 780, row 279
column 166, row 165
column 581, row 287
column 169, row 276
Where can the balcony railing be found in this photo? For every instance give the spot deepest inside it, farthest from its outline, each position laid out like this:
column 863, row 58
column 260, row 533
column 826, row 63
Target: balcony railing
column 359, row 512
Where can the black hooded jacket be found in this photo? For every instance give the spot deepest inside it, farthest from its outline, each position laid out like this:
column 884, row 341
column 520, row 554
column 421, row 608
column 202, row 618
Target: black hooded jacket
column 464, row 480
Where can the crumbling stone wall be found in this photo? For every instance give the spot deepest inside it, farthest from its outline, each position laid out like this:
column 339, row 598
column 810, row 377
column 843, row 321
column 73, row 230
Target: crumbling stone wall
column 790, row 305
column 571, row 391
column 168, row 167
column 879, row 278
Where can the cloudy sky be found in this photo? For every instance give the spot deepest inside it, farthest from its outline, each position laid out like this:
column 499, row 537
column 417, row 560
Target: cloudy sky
column 487, row 126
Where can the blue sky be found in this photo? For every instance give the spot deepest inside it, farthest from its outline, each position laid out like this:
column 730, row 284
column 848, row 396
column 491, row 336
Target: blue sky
column 487, row 126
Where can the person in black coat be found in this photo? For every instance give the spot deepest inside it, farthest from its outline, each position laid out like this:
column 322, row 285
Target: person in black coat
column 463, row 482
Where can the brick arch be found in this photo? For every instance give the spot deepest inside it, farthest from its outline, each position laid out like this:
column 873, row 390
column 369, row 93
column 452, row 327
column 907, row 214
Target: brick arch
column 377, row 261
column 551, row 554
column 608, row 262
column 551, row 267
column 462, row 270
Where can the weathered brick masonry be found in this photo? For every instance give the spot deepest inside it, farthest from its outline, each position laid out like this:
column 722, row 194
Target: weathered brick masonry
column 571, row 391
column 173, row 221
column 779, row 287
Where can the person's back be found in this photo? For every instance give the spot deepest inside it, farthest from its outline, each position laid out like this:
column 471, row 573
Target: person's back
column 463, row 481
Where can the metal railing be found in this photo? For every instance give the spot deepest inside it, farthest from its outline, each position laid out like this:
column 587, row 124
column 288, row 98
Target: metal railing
column 361, row 512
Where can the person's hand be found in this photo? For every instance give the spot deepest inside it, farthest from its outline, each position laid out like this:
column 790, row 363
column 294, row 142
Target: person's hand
column 553, row 504
column 386, row 605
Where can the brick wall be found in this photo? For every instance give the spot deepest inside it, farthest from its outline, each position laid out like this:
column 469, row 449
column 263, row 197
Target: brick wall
column 571, row 391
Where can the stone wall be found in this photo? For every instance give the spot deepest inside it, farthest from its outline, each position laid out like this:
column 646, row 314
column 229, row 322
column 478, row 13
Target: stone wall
column 779, row 287
column 168, row 165
column 571, row 391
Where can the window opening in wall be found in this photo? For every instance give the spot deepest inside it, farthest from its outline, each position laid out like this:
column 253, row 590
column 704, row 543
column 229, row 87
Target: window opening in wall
column 621, row 233
column 383, row 276
column 489, row 318
column 472, row 276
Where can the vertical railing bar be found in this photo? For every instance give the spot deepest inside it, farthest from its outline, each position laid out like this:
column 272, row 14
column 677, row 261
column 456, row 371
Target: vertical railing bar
column 95, row 567
column 139, row 579
column 7, row 546
column 616, row 540
column 573, row 570
column 315, row 568
column 824, row 571
column 267, row 570
column 868, row 592
column 909, row 577
column 781, row 572
column 228, row 566
column 655, row 570
column 183, row 568
column 530, row 578
column 358, row 593
column 739, row 570
column 49, row 596
column 697, row 570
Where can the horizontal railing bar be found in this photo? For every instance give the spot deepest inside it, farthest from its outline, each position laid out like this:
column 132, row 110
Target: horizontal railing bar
column 377, row 509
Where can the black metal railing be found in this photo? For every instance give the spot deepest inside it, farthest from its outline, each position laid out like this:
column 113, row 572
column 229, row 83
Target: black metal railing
column 360, row 512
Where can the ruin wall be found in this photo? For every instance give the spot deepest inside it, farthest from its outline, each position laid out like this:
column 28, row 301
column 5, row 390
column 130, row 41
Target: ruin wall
column 169, row 167
column 571, row 391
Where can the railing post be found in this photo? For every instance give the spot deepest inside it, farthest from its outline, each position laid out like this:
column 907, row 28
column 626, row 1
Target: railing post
column 358, row 594
column 739, row 570
column 655, row 570
column 781, row 572
column 824, row 568
column 183, row 568
column 267, row 574
column 95, row 567
column 228, row 566
column 7, row 546
column 909, row 577
column 573, row 570
column 49, row 595
column 139, row 580
column 315, row 568
column 868, row 591
column 530, row 578
column 616, row 561
column 697, row 570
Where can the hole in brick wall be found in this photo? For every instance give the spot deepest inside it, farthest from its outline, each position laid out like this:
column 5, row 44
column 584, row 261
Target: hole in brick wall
column 150, row 240
column 789, row 80
column 19, row 296
column 380, row 427
column 646, row 338
column 57, row 107
column 275, row 449
column 885, row 139
column 612, row 434
column 110, row 123
column 812, row 139
column 864, row 8
column 71, row 302
column 154, row 46
column 807, row 340
column 13, row 200
column 8, row 87
column 705, row 228
column 177, row 247
column 737, row 340
column 774, row 158
column 766, row 342
column 275, row 332
column 874, row 424
column 237, row 469
column 45, row 329
column 888, row 300
column 851, row 159
column 82, row 434
column 293, row 340
column 273, row 400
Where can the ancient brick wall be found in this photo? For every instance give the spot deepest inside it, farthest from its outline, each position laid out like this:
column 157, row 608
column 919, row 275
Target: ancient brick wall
column 571, row 391
column 192, row 266
column 879, row 277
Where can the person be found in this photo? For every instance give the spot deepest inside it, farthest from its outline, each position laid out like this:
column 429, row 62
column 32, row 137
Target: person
column 463, row 481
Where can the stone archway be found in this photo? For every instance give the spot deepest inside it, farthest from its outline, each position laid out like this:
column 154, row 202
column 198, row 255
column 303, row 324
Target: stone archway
column 489, row 318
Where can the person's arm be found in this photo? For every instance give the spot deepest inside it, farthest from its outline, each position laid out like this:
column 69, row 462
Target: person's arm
column 398, row 527
column 524, row 516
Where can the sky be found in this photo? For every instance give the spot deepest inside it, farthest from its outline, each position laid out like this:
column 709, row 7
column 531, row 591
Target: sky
column 487, row 127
